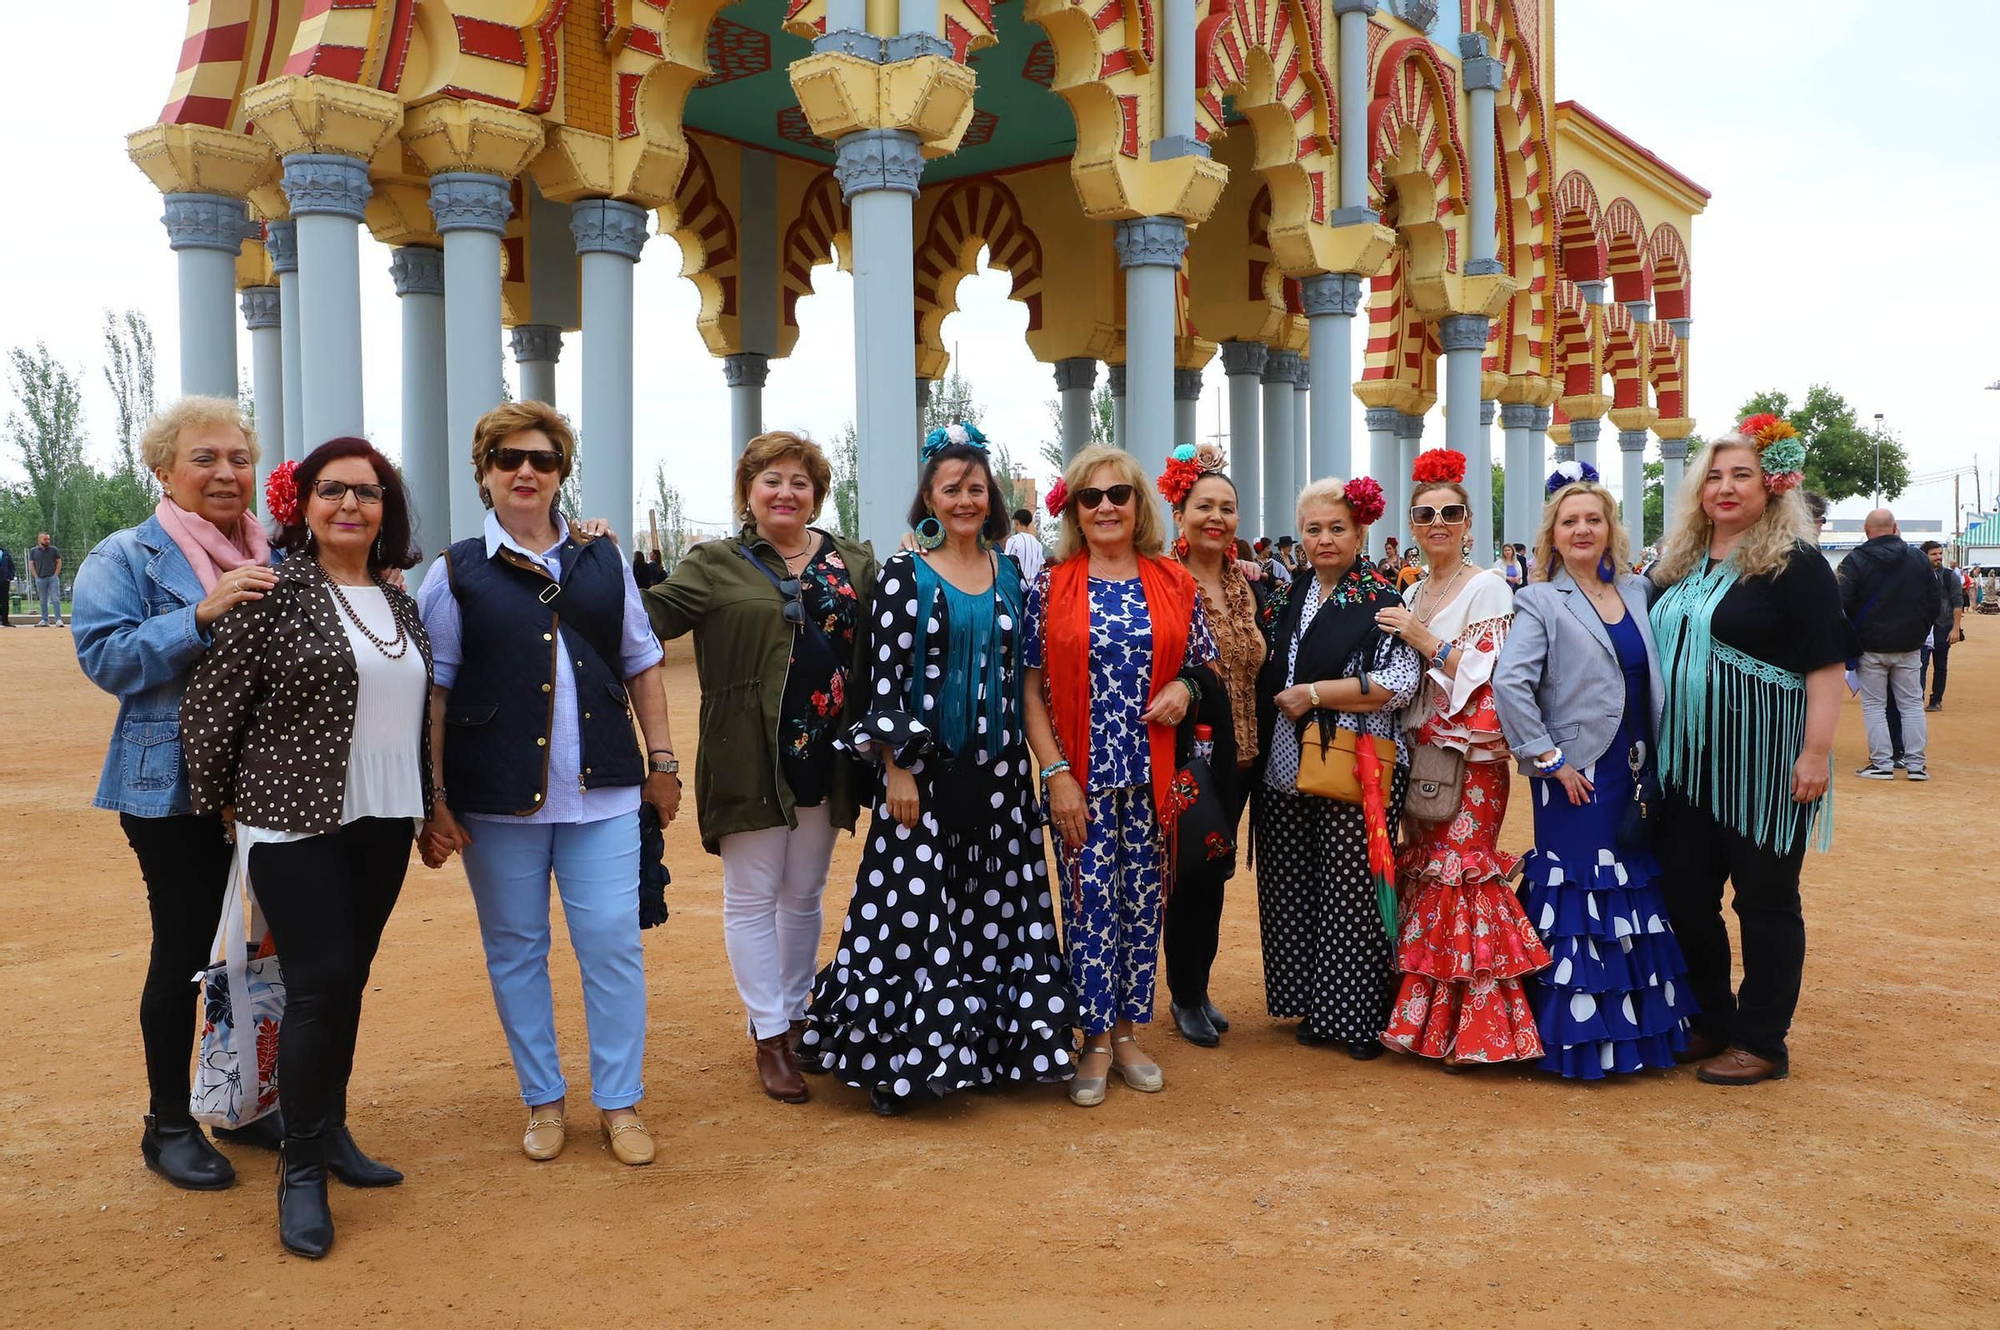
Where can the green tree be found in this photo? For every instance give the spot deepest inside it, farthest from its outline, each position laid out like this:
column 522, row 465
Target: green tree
column 1841, row 455
column 1102, row 414
column 672, row 518
column 950, row 402
column 128, row 370
column 844, row 460
column 47, row 434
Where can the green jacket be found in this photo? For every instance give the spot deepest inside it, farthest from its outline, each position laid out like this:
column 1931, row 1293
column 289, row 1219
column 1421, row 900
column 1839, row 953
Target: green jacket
column 742, row 649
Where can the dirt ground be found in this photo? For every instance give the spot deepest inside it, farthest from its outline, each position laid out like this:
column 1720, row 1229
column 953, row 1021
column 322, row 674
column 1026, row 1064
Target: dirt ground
column 1270, row 1182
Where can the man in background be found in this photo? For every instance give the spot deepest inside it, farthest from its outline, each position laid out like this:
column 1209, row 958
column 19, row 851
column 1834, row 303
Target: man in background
column 6, row 587
column 1891, row 596
column 1949, row 628
column 45, row 562
column 1026, row 546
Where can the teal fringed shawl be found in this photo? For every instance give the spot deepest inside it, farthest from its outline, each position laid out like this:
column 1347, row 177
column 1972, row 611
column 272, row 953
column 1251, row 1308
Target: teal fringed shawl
column 1734, row 725
column 965, row 691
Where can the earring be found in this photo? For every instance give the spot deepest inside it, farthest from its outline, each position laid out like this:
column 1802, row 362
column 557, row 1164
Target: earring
column 1180, row 548
column 930, row 534
column 1606, row 570
column 378, row 548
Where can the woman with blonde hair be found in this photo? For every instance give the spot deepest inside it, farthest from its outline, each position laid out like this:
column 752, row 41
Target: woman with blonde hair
column 1751, row 640
column 1463, row 944
column 1579, row 693
column 774, row 612
column 1116, row 650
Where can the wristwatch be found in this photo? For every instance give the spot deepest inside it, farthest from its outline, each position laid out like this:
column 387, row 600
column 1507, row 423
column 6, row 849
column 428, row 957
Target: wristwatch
column 665, row 766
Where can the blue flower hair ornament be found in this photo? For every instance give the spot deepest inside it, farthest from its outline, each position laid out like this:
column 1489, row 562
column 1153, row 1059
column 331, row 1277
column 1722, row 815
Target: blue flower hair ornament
column 1570, row 473
column 945, row 436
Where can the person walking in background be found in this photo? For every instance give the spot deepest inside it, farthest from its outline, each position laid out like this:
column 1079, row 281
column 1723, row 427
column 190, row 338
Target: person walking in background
column 1512, row 571
column 1026, row 547
column 1949, row 627
column 1412, row 570
column 775, row 612
column 6, row 587
column 1891, row 596
column 45, row 561
column 146, row 601
column 308, row 727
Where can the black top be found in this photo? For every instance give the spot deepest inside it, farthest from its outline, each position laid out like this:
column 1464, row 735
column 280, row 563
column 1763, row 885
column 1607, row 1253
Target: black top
column 1791, row 620
column 1890, row 593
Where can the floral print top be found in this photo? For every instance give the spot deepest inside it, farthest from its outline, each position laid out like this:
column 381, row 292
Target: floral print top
column 816, row 679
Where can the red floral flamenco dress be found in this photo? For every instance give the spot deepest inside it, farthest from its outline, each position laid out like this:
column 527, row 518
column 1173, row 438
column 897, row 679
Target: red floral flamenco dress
column 1464, row 944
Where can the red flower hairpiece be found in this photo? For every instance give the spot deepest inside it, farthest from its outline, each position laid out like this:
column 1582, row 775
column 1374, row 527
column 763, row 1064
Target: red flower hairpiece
column 1364, row 500
column 1439, row 466
column 1058, row 498
column 281, row 494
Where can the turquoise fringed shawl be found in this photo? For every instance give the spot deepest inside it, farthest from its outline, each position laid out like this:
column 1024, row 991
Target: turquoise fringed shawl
column 1734, row 725
column 965, row 691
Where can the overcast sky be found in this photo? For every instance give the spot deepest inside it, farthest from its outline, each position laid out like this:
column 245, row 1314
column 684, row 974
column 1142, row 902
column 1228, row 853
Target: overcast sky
column 1850, row 239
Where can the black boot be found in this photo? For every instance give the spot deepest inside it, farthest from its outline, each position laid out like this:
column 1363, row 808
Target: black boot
column 887, row 1103
column 1215, row 1018
column 1194, row 1025
column 305, row 1224
column 266, row 1133
column 346, row 1162
column 181, row 1154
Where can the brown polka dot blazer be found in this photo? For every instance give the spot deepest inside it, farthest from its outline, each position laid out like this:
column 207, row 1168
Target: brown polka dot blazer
column 269, row 713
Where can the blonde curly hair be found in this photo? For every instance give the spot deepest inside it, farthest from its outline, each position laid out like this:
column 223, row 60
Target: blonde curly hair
column 1765, row 548
column 160, row 442
column 1617, row 544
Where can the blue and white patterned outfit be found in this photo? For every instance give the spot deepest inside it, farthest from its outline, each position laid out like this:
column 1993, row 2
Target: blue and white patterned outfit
column 1113, row 943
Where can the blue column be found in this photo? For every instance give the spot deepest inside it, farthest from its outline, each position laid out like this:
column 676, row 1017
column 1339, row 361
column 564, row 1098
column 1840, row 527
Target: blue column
column 1331, row 300
column 288, row 436
column 1583, row 441
column 610, row 233
column 745, row 372
column 1187, row 402
column 206, row 231
column 329, row 195
column 1076, row 381
column 1281, row 487
column 471, row 209
column 1150, row 250
column 262, row 316
column 1114, row 379
column 1673, row 463
column 432, row 467
column 537, row 347
column 1632, row 459
column 1302, row 472
column 1243, row 362
column 1353, row 16
column 1409, row 442
column 1463, row 337
column 1479, row 482
column 1481, row 73
column 1383, row 455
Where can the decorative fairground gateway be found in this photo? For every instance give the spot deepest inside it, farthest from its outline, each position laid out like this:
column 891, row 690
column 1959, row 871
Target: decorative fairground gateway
column 1159, row 180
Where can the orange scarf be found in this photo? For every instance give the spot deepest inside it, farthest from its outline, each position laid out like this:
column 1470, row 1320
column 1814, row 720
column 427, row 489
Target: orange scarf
column 1170, row 599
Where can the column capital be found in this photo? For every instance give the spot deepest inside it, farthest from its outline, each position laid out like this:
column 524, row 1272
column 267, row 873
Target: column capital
column 1187, row 385
column 1114, row 378
column 1365, row 8
column 608, row 226
column 1281, row 367
column 536, row 342
column 1518, row 415
column 470, row 201
column 1464, row 332
column 1382, row 419
column 260, row 307
column 205, row 221
column 1640, row 310
column 1543, row 415
column 1631, row 441
column 1244, row 357
column 456, row 135
column 327, row 184
column 1076, row 372
column 1681, row 327
column 1593, row 292
column 281, row 241
column 748, row 369
column 417, row 270
column 1144, row 242
column 1585, row 431
column 1673, row 450
column 1330, row 293
column 1304, row 380
column 1409, row 425
column 872, row 159
column 1487, row 406
column 1565, row 452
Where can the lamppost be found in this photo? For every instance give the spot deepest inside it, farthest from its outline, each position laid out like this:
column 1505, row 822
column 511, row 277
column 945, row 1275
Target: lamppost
column 1878, row 459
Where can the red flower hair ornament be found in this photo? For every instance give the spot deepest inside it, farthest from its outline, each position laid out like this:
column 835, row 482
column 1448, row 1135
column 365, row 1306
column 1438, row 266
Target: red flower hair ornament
column 1057, row 498
column 281, row 494
column 1185, row 465
column 1364, row 500
column 1439, row 466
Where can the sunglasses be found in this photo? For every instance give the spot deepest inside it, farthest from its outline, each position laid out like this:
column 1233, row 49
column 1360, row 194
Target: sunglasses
column 333, row 491
column 1426, row 515
column 795, row 606
column 543, row 460
column 1091, row 497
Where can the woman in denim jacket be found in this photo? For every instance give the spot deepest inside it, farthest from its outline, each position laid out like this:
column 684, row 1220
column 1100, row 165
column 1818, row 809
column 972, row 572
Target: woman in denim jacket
column 145, row 601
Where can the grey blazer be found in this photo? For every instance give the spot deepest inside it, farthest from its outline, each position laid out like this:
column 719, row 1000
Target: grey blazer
column 1557, row 683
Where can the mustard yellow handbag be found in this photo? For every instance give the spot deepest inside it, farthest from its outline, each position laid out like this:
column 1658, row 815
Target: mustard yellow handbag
column 1326, row 762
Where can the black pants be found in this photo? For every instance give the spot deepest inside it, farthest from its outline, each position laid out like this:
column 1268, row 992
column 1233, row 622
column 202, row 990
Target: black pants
column 185, row 862
column 1937, row 660
column 1194, row 916
column 1697, row 854
column 327, row 900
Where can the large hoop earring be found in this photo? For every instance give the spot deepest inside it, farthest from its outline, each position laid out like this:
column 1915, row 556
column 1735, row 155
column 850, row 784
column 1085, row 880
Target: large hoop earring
column 929, row 534
column 1606, row 570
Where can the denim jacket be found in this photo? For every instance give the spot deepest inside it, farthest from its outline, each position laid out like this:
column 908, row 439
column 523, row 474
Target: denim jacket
column 136, row 638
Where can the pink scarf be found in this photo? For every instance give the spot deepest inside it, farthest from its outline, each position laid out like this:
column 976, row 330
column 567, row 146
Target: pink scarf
column 211, row 551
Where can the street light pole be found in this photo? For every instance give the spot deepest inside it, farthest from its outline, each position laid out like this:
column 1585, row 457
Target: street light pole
column 1878, row 459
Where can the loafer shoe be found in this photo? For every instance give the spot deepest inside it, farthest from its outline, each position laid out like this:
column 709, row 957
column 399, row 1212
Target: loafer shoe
column 630, row 1142
column 1739, row 1066
column 545, row 1136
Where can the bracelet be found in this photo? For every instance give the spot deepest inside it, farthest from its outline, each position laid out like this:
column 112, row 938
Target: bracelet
column 1312, row 694
column 1194, row 690
column 1053, row 769
column 1550, row 768
column 1441, row 655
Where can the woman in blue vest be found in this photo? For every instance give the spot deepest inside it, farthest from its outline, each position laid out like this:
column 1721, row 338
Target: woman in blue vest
column 543, row 656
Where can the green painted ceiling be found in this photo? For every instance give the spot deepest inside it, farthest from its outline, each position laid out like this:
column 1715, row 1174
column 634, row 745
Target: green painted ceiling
column 1017, row 121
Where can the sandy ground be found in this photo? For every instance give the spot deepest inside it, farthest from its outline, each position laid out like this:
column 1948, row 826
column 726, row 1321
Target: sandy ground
column 1269, row 1182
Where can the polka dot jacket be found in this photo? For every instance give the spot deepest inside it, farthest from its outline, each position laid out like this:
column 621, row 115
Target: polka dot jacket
column 269, row 713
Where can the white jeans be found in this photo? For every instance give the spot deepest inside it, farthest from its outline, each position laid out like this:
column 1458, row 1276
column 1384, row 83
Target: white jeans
column 772, row 881
column 1889, row 679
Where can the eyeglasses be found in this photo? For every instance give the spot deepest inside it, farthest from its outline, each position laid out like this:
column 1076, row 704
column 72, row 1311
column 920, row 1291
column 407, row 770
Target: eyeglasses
column 1091, row 497
column 795, row 607
column 333, row 491
column 545, row 460
column 1426, row 515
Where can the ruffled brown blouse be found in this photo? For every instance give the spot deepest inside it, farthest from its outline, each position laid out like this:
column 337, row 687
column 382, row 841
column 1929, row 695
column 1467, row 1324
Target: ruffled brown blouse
column 1239, row 653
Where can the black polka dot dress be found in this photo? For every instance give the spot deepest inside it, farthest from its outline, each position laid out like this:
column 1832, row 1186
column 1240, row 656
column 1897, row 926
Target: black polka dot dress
column 948, row 973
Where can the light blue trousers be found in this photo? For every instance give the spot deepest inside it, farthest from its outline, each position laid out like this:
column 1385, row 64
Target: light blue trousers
column 596, row 868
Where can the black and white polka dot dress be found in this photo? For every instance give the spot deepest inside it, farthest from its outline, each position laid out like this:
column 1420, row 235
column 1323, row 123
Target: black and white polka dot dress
column 948, row 973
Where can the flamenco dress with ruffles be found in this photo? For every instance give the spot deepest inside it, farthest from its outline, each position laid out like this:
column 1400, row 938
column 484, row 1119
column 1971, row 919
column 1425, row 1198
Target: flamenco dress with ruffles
column 1464, row 945
column 1616, row 999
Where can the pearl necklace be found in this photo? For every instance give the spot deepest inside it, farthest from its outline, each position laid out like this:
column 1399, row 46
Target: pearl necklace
column 401, row 642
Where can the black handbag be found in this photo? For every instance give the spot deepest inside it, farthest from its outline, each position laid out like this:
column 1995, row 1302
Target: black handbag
column 653, row 875
column 1641, row 817
column 1202, row 834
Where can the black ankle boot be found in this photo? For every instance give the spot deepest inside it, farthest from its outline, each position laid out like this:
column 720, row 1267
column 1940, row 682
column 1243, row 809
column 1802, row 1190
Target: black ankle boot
column 266, row 1133
column 305, row 1224
column 345, row 1161
column 1194, row 1025
column 1215, row 1018
column 181, row 1154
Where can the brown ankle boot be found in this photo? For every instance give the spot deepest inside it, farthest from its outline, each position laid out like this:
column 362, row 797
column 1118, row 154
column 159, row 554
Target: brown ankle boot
column 779, row 1071
column 1700, row 1048
column 793, row 1035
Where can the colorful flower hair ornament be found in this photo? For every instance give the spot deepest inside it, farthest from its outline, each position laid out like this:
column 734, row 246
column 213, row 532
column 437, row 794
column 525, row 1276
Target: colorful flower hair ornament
column 1570, row 473
column 1364, row 499
column 1186, row 465
column 281, row 494
column 1439, row 466
column 1779, row 451
column 945, row 436
column 1057, row 498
